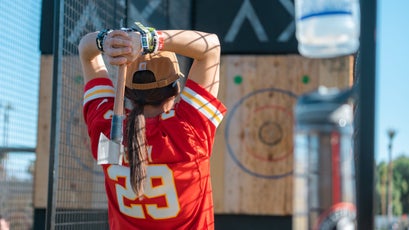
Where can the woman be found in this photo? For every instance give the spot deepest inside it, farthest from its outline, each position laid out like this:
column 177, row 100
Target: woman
column 163, row 181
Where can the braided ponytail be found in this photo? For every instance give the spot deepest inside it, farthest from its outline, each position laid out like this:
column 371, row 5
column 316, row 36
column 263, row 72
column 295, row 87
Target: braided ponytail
column 137, row 149
column 135, row 129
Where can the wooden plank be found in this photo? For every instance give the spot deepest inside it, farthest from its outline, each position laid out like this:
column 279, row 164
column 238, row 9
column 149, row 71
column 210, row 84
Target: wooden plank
column 254, row 144
column 43, row 133
column 217, row 158
column 239, row 70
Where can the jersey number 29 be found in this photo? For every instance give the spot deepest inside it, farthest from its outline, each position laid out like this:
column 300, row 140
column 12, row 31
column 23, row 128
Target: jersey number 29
column 166, row 189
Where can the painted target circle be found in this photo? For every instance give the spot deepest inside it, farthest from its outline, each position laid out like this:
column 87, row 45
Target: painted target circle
column 266, row 128
column 270, row 133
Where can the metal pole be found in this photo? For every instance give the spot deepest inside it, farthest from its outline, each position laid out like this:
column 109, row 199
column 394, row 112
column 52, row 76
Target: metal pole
column 7, row 109
column 55, row 114
column 5, row 121
column 391, row 135
column 365, row 119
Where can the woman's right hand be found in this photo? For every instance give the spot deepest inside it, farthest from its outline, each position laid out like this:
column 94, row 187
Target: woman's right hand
column 121, row 47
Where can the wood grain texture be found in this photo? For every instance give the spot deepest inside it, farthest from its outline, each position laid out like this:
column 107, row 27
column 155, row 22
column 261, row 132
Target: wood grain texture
column 252, row 161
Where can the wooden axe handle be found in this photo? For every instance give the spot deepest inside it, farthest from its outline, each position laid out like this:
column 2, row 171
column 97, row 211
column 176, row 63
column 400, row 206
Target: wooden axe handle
column 118, row 117
column 120, row 90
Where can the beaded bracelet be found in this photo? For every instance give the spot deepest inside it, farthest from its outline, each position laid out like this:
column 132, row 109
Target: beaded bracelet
column 144, row 37
column 151, row 39
column 160, row 42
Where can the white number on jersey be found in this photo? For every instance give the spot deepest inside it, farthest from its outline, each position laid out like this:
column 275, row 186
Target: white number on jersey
column 166, row 188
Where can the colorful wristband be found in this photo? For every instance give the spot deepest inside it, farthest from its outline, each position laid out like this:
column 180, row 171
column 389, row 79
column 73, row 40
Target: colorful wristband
column 144, row 37
column 160, row 39
column 151, row 39
column 101, row 38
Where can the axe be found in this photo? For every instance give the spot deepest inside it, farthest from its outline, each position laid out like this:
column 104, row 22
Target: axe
column 110, row 151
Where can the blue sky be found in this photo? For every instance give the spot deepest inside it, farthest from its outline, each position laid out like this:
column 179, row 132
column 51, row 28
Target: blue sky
column 19, row 77
column 392, row 110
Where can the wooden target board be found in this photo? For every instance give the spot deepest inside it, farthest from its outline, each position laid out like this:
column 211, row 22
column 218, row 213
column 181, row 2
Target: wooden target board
column 252, row 161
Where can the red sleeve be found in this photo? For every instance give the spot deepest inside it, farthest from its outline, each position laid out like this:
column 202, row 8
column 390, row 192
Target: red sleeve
column 99, row 95
column 207, row 112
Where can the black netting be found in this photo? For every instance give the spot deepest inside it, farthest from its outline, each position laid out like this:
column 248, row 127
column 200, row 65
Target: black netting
column 19, row 84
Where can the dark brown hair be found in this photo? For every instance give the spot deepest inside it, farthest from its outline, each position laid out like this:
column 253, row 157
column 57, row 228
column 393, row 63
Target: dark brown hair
column 135, row 128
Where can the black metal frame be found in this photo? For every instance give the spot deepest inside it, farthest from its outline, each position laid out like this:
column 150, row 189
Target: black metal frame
column 365, row 128
column 55, row 113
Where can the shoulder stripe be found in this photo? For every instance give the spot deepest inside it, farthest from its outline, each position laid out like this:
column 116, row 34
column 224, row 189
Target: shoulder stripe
column 100, row 91
column 203, row 105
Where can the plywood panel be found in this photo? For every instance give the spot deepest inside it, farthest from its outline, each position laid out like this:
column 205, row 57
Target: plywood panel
column 43, row 133
column 253, row 156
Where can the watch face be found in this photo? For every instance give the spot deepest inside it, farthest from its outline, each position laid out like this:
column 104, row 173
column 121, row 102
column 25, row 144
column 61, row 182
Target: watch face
column 144, row 42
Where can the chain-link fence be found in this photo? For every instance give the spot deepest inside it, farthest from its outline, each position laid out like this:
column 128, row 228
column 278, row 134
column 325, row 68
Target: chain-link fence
column 19, row 77
column 78, row 195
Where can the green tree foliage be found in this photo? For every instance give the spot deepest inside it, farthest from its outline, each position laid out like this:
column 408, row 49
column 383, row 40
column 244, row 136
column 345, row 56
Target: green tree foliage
column 401, row 180
column 400, row 193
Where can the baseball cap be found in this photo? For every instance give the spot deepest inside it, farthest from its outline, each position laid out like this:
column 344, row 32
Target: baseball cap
column 164, row 65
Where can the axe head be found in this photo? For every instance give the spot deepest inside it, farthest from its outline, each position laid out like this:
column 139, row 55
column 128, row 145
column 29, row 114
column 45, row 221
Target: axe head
column 109, row 151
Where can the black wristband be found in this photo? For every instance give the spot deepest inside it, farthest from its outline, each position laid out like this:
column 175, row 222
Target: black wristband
column 101, row 38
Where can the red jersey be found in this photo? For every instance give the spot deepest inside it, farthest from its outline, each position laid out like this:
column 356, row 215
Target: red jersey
column 178, row 192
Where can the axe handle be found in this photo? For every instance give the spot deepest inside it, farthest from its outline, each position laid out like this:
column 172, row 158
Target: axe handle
column 117, row 119
column 120, row 91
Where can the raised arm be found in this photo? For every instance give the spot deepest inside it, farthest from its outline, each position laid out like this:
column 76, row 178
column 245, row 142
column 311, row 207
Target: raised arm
column 204, row 49
column 119, row 48
column 123, row 47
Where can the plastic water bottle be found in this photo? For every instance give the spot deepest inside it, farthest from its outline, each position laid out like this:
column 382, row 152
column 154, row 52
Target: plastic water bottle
column 324, row 172
column 327, row 28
